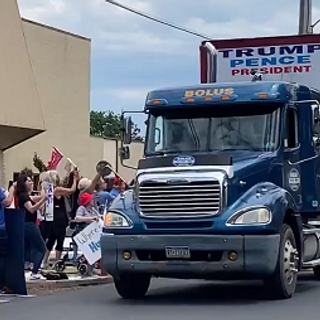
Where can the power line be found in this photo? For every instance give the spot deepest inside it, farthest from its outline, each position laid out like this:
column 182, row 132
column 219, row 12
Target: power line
column 168, row 24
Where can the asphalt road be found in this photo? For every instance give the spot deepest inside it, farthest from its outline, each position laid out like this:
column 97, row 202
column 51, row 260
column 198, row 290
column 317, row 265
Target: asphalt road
column 170, row 299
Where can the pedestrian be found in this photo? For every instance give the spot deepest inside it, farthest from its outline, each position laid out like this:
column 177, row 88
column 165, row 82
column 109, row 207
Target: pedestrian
column 103, row 198
column 12, row 206
column 32, row 232
column 119, row 186
column 57, row 227
column 86, row 185
column 86, row 212
column 5, row 202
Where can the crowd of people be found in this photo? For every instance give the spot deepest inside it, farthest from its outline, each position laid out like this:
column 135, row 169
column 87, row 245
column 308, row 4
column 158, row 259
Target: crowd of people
column 76, row 199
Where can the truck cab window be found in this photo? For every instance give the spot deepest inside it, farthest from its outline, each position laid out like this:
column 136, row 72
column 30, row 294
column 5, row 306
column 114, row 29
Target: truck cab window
column 222, row 131
column 291, row 139
column 315, row 126
column 158, row 134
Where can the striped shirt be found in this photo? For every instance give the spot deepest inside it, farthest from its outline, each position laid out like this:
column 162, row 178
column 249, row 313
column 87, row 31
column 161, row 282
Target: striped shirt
column 84, row 212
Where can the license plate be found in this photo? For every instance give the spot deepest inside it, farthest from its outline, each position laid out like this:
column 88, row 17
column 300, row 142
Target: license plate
column 177, row 252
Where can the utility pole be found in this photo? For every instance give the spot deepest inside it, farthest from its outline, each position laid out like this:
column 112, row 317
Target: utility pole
column 305, row 17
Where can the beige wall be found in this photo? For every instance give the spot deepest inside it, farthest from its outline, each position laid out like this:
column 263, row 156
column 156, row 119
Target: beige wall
column 61, row 67
column 47, row 88
column 21, row 114
column 111, row 154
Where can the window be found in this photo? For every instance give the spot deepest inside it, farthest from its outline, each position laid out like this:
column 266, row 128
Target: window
column 158, row 134
column 214, row 129
column 291, row 140
column 315, row 125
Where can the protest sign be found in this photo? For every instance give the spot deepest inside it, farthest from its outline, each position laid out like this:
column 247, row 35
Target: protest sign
column 48, row 211
column 88, row 241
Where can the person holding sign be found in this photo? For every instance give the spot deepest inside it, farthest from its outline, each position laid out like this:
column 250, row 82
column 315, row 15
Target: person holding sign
column 86, row 213
column 59, row 221
column 32, row 232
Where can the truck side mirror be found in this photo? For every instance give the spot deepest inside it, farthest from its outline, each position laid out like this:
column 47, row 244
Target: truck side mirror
column 127, row 138
column 124, row 153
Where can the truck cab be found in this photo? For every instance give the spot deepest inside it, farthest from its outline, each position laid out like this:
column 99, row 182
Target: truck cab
column 227, row 188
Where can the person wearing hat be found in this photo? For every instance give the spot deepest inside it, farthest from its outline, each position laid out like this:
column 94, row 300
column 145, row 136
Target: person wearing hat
column 86, row 213
column 119, row 186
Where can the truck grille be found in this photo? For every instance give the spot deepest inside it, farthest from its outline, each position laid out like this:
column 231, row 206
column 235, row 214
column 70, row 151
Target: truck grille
column 194, row 198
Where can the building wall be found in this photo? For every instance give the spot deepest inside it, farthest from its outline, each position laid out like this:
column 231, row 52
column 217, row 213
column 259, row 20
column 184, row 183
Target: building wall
column 19, row 102
column 60, row 64
column 21, row 114
column 61, row 68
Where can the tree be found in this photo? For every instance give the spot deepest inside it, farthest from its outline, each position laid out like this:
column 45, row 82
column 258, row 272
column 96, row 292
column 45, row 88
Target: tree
column 108, row 125
column 38, row 163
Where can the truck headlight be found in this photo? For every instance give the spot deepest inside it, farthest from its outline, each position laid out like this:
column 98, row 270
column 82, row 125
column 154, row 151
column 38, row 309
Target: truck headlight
column 257, row 216
column 117, row 220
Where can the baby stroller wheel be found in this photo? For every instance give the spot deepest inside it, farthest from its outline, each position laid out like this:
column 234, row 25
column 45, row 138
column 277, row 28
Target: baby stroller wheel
column 59, row 266
column 83, row 269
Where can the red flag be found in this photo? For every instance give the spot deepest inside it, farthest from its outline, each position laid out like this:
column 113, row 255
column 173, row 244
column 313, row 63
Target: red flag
column 56, row 157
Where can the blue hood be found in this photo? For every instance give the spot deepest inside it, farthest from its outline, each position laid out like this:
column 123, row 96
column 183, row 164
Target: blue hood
column 252, row 168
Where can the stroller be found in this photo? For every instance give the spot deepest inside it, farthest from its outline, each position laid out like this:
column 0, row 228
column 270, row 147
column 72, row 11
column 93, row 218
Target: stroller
column 83, row 267
column 81, row 262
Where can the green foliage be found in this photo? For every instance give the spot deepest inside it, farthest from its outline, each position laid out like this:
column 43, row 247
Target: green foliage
column 38, row 163
column 108, row 125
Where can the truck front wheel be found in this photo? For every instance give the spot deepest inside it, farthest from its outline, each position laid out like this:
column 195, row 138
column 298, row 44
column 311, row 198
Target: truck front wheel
column 132, row 286
column 282, row 283
column 316, row 271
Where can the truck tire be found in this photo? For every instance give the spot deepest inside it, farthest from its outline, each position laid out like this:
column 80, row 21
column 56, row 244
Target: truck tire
column 132, row 286
column 282, row 283
column 316, row 272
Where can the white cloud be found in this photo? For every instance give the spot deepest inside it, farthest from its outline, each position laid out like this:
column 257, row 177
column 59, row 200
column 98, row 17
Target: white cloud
column 116, row 30
column 140, row 42
column 134, row 53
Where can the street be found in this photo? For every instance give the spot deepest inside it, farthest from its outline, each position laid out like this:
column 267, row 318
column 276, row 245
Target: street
column 170, row 299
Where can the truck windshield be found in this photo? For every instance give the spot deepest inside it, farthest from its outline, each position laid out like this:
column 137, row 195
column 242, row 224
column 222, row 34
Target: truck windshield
column 199, row 130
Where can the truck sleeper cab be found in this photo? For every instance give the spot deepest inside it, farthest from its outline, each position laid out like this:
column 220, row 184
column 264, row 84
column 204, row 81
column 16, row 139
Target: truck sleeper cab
column 227, row 189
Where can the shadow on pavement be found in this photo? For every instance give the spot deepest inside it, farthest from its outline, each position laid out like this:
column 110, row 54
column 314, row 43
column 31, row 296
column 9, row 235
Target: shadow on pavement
column 229, row 293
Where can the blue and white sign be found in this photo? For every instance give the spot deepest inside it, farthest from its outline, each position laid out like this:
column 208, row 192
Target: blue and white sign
column 184, row 161
column 88, row 241
column 49, row 205
column 294, row 179
column 297, row 62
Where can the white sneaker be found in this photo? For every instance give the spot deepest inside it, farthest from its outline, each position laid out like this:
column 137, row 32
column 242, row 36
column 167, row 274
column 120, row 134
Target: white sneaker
column 35, row 276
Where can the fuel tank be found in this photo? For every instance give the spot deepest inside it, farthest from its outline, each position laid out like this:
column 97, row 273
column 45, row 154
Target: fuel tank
column 311, row 244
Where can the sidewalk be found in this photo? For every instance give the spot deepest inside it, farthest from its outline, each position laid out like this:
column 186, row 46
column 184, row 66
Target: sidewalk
column 74, row 280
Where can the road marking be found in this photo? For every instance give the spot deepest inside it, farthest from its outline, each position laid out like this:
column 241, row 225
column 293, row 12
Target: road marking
column 4, row 301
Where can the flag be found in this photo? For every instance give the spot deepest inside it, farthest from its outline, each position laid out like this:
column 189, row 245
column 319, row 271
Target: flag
column 60, row 162
column 56, row 157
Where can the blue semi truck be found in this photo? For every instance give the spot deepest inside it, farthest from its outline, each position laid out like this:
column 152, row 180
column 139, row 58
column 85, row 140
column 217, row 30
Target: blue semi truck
column 229, row 186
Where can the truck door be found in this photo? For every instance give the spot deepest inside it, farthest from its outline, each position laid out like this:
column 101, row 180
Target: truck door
column 292, row 163
column 316, row 159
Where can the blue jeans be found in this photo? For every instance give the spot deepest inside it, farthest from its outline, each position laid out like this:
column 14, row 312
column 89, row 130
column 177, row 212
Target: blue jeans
column 37, row 246
column 3, row 254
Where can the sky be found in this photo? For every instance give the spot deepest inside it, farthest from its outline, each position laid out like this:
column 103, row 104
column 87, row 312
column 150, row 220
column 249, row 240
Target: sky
column 132, row 55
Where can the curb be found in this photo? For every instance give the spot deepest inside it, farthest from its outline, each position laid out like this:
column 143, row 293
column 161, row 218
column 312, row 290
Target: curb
column 54, row 284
